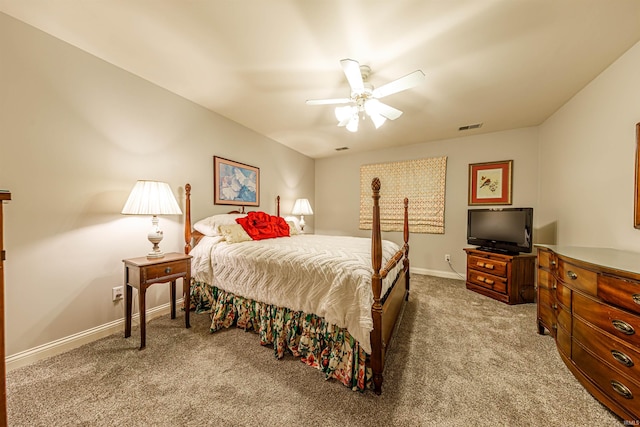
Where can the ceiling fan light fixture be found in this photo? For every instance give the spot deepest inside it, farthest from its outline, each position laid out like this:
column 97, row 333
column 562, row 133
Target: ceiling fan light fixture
column 344, row 112
column 352, row 126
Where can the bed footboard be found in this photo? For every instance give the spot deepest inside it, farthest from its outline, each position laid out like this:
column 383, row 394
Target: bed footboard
column 386, row 315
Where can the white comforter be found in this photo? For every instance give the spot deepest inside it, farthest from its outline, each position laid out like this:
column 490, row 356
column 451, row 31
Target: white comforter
column 329, row 276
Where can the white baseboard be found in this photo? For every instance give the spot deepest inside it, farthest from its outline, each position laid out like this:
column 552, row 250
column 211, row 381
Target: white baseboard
column 437, row 273
column 76, row 340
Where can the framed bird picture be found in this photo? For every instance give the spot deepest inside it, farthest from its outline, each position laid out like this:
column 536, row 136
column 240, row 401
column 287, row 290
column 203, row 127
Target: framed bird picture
column 490, row 183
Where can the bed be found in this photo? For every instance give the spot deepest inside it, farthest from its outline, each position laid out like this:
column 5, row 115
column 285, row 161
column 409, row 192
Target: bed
column 332, row 301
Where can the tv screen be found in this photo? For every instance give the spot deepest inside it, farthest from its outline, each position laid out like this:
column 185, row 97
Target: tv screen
column 504, row 230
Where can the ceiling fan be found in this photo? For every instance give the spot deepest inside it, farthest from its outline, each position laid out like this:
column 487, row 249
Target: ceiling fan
column 364, row 98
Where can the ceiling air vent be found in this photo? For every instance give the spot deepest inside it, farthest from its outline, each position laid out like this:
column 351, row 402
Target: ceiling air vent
column 469, row 127
column 342, row 148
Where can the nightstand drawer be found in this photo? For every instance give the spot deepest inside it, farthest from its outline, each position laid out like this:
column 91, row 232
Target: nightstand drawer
column 493, row 266
column 498, row 284
column 162, row 271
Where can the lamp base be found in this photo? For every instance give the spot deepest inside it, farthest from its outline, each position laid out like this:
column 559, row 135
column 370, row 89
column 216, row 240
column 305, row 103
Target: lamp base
column 155, row 237
column 155, row 254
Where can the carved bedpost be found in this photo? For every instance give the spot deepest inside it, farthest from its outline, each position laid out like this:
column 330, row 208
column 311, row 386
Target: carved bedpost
column 278, row 206
column 405, row 262
column 377, row 363
column 187, row 221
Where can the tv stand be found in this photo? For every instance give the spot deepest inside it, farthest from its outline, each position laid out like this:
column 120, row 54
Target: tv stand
column 509, row 278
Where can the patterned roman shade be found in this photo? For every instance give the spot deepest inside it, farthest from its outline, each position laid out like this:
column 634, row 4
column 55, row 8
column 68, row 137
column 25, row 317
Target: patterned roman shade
column 421, row 181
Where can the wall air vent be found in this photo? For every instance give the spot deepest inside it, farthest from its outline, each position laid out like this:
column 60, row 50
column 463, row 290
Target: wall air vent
column 342, row 148
column 469, row 127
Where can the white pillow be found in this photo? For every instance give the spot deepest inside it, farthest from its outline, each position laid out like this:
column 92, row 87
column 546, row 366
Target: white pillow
column 233, row 233
column 209, row 226
column 292, row 228
column 296, row 222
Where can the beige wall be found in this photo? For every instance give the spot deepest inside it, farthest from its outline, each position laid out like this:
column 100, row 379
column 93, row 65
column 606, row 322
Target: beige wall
column 338, row 190
column 587, row 155
column 76, row 133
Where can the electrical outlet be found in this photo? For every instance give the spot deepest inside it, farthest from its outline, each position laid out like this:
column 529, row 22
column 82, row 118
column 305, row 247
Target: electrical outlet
column 447, row 257
column 117, row 293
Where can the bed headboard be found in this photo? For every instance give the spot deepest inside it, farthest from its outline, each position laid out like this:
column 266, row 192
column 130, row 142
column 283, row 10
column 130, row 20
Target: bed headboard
column 193, row 236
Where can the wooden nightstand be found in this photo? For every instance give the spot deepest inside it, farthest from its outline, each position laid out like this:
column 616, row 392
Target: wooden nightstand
column 142, row 272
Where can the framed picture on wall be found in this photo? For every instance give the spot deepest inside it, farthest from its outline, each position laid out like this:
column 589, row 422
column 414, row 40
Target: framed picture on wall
column 490, row 183
column 235, row 183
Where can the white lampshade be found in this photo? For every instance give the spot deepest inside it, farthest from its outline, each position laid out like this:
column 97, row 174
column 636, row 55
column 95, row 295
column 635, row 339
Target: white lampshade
column 302, row 207
column 152, row 198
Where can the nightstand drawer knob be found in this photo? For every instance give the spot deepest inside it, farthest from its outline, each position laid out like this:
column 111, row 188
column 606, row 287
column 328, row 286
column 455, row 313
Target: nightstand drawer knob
column 167, row 270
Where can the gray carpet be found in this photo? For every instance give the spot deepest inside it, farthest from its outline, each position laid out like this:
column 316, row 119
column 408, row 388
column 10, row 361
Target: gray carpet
column 459, row 359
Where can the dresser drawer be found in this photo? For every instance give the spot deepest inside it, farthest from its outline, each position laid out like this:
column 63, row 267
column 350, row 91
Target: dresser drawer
column 546, row 259
column 620, row 292
column 564, row 319
column 622, row 357
column 617, row 386
column 621, row 324
column 488, row 265
column 546, row 280
column 577, row 277
column 488, row 281
column 563, row 295
column 563, row 341
column 165, row 271
column 546, row 312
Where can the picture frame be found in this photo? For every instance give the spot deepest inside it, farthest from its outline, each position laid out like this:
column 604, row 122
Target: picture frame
column 636, row 197
column 235, row 183
column 490, row 183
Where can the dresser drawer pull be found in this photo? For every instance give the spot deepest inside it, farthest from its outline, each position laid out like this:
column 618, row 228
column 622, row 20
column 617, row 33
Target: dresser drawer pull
column 554, row 286
column 554, row 306
column 622, row 358
column 621, row 389
column 167, row 270
column 636, row 298
column 571, row 275
column 553, row 263
column 623, row 327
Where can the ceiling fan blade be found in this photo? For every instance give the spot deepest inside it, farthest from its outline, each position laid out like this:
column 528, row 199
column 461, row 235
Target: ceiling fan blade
column 388, row 111
column 403, row 83
column 328, row 101
column 351, row 69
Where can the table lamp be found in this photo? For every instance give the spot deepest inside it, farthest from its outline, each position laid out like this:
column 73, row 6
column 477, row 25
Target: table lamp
column 152, row 198
column 302, row 208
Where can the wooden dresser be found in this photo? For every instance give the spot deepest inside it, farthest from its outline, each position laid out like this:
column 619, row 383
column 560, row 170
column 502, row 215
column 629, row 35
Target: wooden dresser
column 589, row 301
column 4, row 195
column 506, row 278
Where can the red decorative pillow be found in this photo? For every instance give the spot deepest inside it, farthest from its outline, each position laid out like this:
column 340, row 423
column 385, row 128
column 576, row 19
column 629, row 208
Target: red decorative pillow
column 261, row 225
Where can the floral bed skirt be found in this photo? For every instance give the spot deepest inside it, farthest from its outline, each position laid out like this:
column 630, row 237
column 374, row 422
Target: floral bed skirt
column 324, row 346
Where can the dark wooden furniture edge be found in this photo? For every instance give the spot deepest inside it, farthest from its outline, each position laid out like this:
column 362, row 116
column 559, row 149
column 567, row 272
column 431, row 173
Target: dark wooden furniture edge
column 3, row 367
column 385, row 314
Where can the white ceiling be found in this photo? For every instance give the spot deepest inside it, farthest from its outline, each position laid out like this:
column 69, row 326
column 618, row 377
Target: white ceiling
column 504, row 63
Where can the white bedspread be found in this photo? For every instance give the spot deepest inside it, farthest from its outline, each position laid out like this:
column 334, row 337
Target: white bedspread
column 329, row 276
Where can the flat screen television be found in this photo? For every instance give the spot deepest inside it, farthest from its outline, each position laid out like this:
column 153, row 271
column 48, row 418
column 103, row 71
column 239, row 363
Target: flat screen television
column 507, row 230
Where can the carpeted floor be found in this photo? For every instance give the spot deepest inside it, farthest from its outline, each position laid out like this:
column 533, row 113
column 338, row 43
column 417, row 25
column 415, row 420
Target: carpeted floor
column 459, row 359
